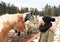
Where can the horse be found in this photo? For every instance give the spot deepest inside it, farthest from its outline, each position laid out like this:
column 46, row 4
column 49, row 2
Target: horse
column 12, row 21
column 32, row 27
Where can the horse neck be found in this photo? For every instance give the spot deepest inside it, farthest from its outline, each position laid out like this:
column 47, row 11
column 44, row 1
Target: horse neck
column 5, row 31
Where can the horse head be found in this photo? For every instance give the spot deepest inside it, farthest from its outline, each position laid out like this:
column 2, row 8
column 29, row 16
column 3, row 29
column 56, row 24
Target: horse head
column 27, row 16
column 22, row 18
column 33, row 23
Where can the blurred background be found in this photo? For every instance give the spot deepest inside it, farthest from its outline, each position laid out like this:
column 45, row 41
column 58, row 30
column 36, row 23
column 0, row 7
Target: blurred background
column 39, row 7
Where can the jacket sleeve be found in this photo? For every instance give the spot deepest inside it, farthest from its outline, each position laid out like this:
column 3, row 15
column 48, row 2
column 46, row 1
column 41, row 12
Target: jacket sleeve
column 45, row 28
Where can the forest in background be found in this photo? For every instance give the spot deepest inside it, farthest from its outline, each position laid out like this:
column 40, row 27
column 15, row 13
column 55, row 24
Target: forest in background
column 47, row 10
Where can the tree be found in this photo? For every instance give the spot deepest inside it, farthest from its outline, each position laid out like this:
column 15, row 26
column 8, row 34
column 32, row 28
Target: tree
column 36, row 11
column 0, row 8
column 3, row 7
column 47, row 10
column 23, row 10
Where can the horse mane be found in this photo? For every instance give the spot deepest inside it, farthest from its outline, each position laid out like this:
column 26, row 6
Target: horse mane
column 11, row 18
column 8, row 17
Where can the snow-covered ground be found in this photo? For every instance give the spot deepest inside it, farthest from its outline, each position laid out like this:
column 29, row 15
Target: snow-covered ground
column 36, row 39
